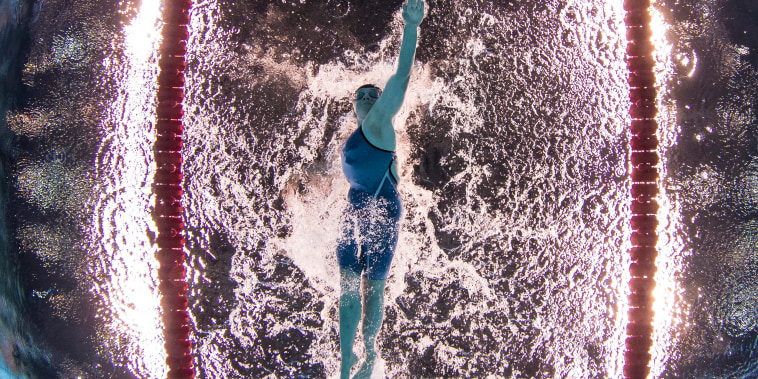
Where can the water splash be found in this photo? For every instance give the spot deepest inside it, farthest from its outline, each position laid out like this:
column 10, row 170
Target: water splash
column 504, row 177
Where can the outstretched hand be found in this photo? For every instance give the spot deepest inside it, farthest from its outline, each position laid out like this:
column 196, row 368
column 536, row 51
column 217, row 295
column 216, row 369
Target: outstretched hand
column 413, row 12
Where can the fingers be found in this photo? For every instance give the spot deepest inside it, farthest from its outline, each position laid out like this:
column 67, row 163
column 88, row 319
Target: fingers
column 413, row 9
column 413, row 4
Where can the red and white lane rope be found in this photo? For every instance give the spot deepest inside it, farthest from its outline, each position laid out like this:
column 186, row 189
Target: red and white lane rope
column 644, row 178
column 168, row 190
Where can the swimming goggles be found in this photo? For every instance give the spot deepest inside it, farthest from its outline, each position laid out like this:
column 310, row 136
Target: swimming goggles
column 372, row 93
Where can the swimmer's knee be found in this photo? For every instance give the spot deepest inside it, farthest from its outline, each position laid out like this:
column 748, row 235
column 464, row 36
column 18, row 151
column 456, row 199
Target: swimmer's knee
column 375, row 286
column 350, row 281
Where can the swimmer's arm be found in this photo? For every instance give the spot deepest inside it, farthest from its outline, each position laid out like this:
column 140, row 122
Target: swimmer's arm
column 394, row 92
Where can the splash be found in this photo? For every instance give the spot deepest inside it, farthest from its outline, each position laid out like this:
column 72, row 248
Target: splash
column 513, row 197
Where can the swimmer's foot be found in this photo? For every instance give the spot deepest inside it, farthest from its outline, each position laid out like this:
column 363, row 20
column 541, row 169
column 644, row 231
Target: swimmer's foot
column 366, row 368
column 347, row 365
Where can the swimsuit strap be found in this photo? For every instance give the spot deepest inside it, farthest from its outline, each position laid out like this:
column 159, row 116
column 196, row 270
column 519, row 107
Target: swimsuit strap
column 384, row 178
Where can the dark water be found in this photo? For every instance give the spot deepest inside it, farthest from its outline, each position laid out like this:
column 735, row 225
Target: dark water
column 713, row 171
column 20, row 349
column 512, row 148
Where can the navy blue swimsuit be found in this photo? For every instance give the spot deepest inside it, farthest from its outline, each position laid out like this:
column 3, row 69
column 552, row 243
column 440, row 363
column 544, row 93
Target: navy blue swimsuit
column 369, row 224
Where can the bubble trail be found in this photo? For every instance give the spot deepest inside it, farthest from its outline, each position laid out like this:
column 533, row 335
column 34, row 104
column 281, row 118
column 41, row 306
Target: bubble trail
column 168, row 190
column 644, row 187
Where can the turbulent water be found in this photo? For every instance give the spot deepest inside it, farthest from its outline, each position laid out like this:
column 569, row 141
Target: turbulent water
column 509, row 261
column 512, row 150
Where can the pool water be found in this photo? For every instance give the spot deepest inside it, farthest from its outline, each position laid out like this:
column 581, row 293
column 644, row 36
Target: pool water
column 512, row 146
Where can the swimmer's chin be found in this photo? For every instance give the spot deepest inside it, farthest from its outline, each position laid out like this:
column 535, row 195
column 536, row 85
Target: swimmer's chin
column 362, row 108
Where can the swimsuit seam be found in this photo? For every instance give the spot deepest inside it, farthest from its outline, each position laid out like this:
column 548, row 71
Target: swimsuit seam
column 389, row 169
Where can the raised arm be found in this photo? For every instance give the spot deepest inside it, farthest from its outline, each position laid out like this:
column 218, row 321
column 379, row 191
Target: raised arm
column 394, row 92
column 412, row 14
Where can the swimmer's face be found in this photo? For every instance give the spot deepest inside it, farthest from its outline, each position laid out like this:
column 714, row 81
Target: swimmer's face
column 365, row 98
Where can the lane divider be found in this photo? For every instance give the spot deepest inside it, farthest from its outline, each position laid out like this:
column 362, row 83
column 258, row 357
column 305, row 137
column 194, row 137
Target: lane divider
column 168, row 213
column 644, row 179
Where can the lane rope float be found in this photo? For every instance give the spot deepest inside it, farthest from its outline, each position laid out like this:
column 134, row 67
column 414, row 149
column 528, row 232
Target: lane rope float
column 644, row 188
column 168, row 190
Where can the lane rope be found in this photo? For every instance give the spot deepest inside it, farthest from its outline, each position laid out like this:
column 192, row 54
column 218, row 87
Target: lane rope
column 168, row 190
column 644, row 158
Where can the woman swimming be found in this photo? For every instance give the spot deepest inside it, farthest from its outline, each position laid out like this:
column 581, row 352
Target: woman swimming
column 370, row 222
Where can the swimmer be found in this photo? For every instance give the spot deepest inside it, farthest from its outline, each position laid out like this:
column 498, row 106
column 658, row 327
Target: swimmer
column 369, row 225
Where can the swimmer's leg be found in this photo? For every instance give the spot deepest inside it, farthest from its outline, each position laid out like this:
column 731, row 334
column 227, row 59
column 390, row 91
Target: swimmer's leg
column 372, row 322
column 350, row 315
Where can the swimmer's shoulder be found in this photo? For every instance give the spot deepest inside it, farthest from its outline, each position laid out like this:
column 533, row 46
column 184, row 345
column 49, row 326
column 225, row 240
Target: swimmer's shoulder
column 380, row 136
